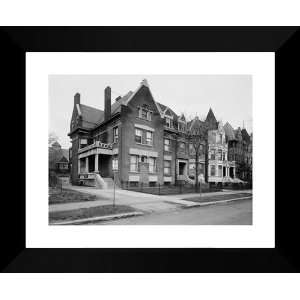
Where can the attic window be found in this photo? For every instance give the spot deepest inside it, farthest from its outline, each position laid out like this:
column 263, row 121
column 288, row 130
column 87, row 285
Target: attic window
column 145, row 113
column 168, row 122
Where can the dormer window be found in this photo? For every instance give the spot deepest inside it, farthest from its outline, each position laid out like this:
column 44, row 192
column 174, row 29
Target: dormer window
column 145, row 113
column 181, row 126
column 168, row 122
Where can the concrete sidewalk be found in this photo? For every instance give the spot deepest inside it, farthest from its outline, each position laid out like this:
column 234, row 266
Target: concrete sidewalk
column 140, row 201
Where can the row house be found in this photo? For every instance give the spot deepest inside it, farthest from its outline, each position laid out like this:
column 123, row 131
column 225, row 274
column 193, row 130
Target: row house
column 138, row 140
column 240, row 150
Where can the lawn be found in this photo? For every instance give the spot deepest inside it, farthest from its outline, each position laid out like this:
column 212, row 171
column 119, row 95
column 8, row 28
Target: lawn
column 90, row 212
column 57, row 196
column 217, row 197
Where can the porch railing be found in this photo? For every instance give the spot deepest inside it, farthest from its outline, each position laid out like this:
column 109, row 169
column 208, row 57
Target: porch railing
column 97, row 144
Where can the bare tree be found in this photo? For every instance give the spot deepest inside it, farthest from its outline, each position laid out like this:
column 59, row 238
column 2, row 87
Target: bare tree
column 197, row 135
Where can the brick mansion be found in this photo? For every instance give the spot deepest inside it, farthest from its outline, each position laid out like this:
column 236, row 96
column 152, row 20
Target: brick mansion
column 141, row 141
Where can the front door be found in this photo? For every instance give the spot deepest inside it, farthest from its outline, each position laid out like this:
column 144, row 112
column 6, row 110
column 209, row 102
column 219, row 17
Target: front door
column 182, row 166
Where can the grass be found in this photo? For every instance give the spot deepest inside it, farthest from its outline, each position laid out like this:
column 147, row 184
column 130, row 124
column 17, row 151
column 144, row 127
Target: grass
column 57, row 196
column 90, row 212
column 218, row 197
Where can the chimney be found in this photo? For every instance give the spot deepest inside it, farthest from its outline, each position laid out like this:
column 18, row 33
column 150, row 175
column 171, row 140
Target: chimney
column 107, row 103
column 76, row 98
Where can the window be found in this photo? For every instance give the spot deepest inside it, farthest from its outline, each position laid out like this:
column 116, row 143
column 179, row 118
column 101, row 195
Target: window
column 115, row 163
column 143, row 137
column 224, row 156
column 168, row 122
column 181, row 126
column 116, row 134
column 149, row 138
column 145, row 114
column 220, row 154
column 83, row 143
column 152, row 164
column 213, row 170
column 220, row 171
column 181, row 146
column 134, row 163
column 192, row 149
column 167, row 167
column 143, row 159
column 201, row 168
column 167, row 145
column 212, row 154
column 138, row 136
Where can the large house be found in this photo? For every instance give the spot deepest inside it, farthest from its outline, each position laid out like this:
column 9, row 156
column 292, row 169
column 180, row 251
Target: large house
column 138, row 141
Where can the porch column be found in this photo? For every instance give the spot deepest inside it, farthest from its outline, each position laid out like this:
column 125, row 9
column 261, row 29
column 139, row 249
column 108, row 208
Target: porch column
column 79, row 165
column 233, row 172
column 87, row 164
column 96, row 163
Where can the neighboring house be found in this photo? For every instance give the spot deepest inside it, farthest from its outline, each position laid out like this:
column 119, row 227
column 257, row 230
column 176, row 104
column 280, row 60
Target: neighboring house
column 140, row 140
column 220, row 170
column 240, row 151
column 58, row 159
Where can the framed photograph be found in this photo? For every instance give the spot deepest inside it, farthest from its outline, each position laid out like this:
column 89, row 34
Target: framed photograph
column 149, row 149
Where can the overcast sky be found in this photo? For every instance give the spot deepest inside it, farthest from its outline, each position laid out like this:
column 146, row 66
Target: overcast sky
column 229, row 96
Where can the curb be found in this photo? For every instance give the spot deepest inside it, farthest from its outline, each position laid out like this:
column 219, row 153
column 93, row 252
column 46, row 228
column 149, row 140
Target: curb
column 101, row 218
column 214, row 202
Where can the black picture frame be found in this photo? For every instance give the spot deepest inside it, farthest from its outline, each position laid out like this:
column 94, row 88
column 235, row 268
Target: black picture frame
column 16, row 41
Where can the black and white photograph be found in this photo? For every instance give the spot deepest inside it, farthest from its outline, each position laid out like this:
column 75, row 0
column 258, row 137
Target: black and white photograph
column 150, row 149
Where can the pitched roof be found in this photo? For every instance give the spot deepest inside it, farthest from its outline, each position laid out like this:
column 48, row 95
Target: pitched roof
column 167, row 110
column 116, row 106
column 211, row 120
column 56, row 144
column 195, row 123
column 238, row 134
column 57, row 155
column 91, row 116
column 245, row 135
column 229, row 131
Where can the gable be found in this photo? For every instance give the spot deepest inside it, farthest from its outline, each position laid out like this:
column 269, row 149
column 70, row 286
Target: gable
column 63, row 160
column 143, row 96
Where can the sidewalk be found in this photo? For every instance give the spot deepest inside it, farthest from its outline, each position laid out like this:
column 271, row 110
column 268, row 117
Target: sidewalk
column 140, row 201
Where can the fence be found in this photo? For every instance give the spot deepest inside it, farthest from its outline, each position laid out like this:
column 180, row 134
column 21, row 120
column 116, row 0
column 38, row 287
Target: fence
column 160, row 189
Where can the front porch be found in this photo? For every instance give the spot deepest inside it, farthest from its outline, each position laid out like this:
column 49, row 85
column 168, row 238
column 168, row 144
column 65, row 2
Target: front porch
column 93, row 160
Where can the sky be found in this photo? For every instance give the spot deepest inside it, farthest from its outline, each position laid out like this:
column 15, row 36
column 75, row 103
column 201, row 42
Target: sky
column 229, row 96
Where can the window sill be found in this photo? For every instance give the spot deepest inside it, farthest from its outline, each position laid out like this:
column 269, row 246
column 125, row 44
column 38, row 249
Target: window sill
column 143, row 119
column 144, row 144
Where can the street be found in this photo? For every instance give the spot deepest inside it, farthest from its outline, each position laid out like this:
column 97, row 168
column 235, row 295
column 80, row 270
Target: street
column 232, row 213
